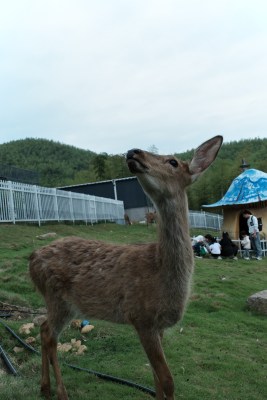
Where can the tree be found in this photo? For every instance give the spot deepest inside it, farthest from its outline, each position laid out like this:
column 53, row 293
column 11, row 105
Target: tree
column 153, row 149
column 99, row 165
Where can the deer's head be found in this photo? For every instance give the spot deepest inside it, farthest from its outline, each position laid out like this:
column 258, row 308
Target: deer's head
column 167, row 175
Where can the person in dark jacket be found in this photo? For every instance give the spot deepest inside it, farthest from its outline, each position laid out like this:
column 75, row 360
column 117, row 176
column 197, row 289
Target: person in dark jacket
column 228, row 248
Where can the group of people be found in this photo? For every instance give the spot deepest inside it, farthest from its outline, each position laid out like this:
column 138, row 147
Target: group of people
column 225, row 248
column 209, row 244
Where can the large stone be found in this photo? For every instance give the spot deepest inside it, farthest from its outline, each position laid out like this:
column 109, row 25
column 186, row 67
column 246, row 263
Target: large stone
column 258, row 302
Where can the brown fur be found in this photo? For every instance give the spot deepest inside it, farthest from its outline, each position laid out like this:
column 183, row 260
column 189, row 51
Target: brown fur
column 146, row 285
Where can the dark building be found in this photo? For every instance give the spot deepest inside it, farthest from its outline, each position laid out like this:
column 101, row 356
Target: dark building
column 128, row 190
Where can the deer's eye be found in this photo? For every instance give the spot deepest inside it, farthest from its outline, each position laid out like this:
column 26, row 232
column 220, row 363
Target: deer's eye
column 174, row 163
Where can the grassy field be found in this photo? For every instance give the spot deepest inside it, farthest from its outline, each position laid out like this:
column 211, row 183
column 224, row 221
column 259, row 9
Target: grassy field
column 217, row 352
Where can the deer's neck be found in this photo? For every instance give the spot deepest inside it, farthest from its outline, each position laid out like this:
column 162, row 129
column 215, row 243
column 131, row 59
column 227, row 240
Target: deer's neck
column 175, row 250
column 175, row 257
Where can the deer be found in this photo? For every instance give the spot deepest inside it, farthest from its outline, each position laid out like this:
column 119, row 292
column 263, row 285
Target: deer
column 145, row 285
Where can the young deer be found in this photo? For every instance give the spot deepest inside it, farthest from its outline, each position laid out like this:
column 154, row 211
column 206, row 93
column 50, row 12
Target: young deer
column 144, row 285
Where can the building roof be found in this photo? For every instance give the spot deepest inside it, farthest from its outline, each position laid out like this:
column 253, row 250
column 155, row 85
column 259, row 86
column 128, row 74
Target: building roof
column 98, row 182
column 249, row 187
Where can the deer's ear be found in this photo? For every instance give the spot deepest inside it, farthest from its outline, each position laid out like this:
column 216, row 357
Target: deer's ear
column 204, row 155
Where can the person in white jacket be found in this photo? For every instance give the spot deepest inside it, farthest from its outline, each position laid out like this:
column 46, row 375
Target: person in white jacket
column 215, row 250
column 254, row 233
column 246, row 245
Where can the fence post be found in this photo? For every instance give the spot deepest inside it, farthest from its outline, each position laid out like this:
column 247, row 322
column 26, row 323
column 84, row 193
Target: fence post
column 37, row 205
column 56, row 205
column 115, row 189
column 84, row 208
column 96, row 219
column 71, row 207
column 11, row 203
column 24, row 203
column 205, row 219
column 90, row 209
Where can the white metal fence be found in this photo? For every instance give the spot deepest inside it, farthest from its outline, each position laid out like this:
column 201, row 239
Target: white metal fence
column 205, row 220
column 29, row 203
column 263, row 247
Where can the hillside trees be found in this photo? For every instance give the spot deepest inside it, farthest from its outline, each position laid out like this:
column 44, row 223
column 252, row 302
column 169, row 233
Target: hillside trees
column 62, row 165
column 109, row 166
column 99, row 165
column 58, row 164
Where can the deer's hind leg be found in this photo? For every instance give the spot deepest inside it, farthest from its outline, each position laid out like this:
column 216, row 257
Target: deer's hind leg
column 151, row 341
column 50, row 330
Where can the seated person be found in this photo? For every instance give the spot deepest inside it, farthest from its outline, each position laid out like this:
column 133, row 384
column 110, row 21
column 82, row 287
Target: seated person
column 215, row 248
column 197, row 243
column 228, row 248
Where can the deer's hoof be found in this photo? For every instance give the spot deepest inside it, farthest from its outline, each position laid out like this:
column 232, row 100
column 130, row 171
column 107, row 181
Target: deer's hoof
column 62, row 393
column 45, row 391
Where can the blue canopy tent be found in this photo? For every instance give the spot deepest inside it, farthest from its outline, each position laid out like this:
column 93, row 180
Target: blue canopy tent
column 247, row 191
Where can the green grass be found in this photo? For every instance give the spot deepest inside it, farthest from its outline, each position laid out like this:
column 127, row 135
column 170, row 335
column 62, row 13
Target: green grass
column 217, row 352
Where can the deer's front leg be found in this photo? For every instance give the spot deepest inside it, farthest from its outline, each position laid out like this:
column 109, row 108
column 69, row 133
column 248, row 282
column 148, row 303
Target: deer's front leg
column 164, row 385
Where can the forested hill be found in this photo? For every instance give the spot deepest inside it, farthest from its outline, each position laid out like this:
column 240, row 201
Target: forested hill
column 59, row 164
column 55, row 162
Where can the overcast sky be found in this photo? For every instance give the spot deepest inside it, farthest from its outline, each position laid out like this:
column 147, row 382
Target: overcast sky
column 109, row 75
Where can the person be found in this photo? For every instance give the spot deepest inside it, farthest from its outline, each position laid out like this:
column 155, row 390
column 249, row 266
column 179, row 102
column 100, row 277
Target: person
column 246, row 245
column 228, row 248
column 209, row 239
column 254, row 234
column 215, row 249
column 197, row 244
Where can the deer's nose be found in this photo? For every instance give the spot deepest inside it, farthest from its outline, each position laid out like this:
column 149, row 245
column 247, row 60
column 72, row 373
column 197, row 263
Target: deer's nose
column 132, row 152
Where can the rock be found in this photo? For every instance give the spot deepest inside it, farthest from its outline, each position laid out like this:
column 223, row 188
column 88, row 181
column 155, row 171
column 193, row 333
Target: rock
column 46, row 236
column 78, row 346
column 81, row 349
column 76, row 323
column 75, row 346
column 87, row 328
column 65, row 347
column 18, row 349
column 75, row 343
column 39, row 320
column 26, row 328
column 30, row 340
column 258, row 302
